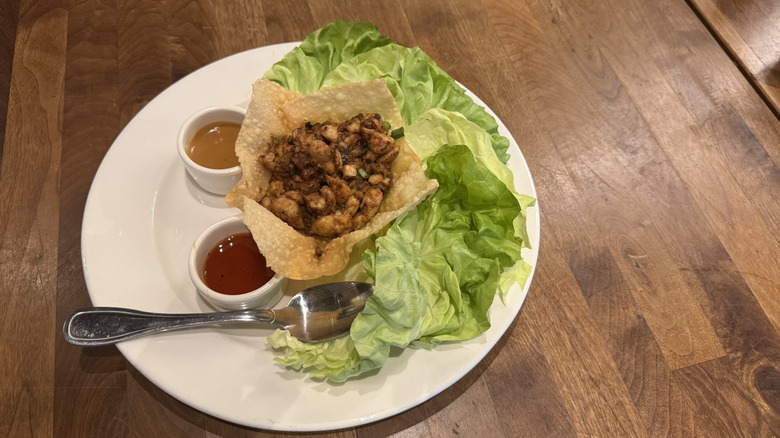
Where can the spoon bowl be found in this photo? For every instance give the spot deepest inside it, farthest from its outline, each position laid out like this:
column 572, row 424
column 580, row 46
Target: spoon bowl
column 315, row 314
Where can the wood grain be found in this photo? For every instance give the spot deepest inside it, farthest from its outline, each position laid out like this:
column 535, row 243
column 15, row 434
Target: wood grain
column 654, row 309
column 627, row 222
column 749, row 31
column 8, row 15
column 29, row 215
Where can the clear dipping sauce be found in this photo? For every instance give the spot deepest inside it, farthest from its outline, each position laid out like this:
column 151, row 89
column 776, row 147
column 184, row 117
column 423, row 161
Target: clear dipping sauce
column 235, row 266
column 213, row 146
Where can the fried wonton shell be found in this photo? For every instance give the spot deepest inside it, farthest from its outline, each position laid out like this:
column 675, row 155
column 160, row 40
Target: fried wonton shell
column 274, row 111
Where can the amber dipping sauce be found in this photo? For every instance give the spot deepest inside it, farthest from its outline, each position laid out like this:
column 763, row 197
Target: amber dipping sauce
column 235, row 266
column 213, row 146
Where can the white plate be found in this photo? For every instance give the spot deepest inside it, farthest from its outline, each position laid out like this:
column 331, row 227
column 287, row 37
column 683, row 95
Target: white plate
column 141, row 217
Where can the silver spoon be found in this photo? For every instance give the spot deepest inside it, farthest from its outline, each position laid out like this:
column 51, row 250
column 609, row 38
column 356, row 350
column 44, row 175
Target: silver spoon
column 315, row 314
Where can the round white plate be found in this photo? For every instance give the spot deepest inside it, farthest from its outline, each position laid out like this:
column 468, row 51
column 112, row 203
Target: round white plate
column 141, row 216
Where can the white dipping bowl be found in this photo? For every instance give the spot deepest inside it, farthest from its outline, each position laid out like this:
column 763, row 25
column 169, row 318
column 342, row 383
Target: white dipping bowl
column 266, row 296
column 217, row 181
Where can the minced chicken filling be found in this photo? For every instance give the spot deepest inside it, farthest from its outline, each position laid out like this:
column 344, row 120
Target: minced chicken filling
column 329, row 178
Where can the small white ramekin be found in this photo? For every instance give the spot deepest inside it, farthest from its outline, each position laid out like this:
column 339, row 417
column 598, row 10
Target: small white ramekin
column 217, row 181
column 265, row 297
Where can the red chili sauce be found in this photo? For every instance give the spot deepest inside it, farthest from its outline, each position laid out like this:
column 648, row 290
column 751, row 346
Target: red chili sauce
column 235, row 266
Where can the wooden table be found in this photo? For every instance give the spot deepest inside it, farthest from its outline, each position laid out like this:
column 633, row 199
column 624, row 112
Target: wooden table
column 649, row 128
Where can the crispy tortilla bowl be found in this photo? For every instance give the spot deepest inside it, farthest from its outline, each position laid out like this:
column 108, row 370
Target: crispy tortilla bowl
column 275, row 111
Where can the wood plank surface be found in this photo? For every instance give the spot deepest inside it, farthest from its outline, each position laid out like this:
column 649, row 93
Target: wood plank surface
column 750, row 31
column 654, row 309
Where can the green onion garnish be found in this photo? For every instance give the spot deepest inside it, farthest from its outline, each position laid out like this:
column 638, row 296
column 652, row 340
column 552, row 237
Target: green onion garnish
column 363, row 173
column 398, row 133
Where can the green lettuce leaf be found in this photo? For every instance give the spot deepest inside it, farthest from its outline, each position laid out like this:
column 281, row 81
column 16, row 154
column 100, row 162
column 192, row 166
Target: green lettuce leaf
column 436, row 272
column 336, row 359
column 438, row 127
column 343, row 52
column 438, row 267
column 418, row 85
column 305, row 67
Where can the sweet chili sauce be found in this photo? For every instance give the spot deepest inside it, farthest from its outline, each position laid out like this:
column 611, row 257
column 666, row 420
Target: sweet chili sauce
column 235, row 266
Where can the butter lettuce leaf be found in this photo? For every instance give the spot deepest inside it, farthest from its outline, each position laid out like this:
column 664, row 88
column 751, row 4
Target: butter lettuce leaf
column 437, row 269
column 305, row 67
column 418, row 85
column 343, row 52
column 436, row 272
column 437, row 127
column 336, row 359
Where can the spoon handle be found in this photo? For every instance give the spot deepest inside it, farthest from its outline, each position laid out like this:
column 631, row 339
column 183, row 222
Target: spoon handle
column 96, row 326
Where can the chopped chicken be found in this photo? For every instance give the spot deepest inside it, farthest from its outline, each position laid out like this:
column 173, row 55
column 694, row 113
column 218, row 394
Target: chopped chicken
column 328, row 179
